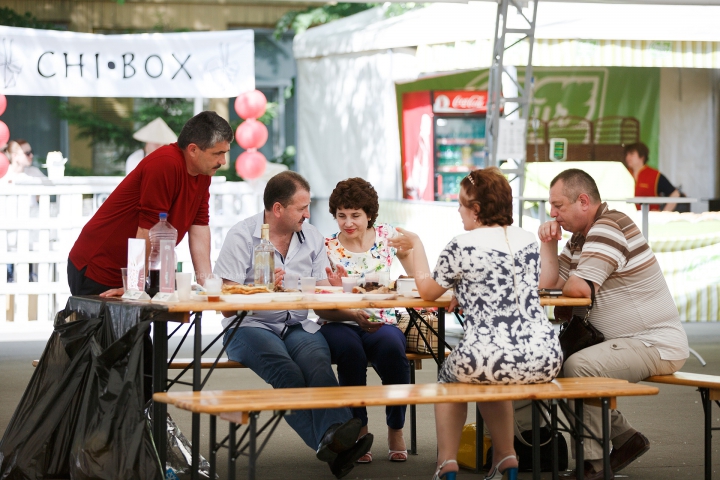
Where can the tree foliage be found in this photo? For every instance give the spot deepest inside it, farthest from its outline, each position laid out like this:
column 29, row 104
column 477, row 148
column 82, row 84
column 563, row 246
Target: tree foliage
column 300, row 20
column 11, row 18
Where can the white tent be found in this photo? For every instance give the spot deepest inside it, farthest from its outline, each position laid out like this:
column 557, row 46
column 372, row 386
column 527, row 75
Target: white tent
column 347, row 71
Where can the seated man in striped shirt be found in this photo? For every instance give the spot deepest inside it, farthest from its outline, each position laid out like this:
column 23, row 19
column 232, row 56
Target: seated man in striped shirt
column 633, row 309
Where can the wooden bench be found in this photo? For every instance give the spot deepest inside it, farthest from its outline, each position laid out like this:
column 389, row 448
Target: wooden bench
column 709, row 388
column 242, row 407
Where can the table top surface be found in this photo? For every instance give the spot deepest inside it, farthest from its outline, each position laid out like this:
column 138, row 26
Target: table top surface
column 220, row 401
column 401, row 302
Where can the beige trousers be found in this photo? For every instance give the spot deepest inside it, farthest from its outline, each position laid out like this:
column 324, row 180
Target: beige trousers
column 623, row 358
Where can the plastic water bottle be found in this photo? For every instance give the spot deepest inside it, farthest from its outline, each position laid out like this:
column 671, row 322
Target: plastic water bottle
column 161, row 231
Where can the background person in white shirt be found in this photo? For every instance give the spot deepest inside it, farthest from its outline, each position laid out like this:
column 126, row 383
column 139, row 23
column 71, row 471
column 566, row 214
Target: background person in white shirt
column 155, row 134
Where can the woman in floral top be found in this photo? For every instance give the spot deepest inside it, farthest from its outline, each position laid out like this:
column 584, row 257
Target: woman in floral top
column 361, row 247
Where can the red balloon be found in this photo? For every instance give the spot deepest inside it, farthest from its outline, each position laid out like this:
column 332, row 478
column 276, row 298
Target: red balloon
column 4, row 165
column 3, row 103
column 250, row 104
column 4, row 134
column 251, row 134
column 250, row 164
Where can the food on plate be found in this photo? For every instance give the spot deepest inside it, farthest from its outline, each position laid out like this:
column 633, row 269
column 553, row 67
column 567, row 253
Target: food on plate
column 378, row 290
column 243, row 289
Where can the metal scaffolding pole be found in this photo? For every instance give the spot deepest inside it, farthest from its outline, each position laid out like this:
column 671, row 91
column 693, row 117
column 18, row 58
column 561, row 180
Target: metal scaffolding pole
column 506, row 38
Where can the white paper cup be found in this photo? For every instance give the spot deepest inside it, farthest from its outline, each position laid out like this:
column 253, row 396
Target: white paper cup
column 405, row 285
column 349, row 282
column 183, row 281
column 307, row 284
column 290, row 281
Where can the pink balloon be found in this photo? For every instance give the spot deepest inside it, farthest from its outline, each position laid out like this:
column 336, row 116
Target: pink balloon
column 250, row 104
column 251, row 134
column 3, row 103
column 4, row 134
column 250, row 164
column 4, row 165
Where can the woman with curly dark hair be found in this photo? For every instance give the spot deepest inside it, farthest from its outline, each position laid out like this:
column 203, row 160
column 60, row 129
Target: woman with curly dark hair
column 494, row 269
column 361, row 247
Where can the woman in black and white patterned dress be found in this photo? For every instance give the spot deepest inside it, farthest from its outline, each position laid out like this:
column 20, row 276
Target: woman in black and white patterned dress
column 494, row 269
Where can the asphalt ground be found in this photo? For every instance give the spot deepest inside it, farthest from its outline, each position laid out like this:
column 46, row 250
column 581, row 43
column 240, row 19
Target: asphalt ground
column 672, row 420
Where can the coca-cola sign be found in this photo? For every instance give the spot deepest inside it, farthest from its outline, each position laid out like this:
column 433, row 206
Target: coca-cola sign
column 459, row 101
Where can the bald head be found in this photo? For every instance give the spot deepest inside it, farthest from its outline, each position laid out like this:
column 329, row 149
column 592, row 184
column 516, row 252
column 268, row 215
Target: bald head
column 576, row 182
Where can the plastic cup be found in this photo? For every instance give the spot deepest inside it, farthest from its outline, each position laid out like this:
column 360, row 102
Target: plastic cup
column 183, row 281
column 213, row 286
column 307, row 284
column 349, row 282
column 384, row 278
column 123, row 273
column 290, row 281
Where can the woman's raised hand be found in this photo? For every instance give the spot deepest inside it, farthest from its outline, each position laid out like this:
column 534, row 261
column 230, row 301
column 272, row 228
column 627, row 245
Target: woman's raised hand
column 405, row 241
column 335, row 278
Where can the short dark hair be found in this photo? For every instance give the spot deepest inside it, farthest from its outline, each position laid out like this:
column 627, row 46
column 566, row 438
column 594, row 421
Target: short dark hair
column 575, row 182
column 282, row 187
column 205, row 130
column 358, row 194
column 490, row 191
column 642, row 150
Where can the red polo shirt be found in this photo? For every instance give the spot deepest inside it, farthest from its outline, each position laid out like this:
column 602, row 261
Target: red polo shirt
column 160, row 183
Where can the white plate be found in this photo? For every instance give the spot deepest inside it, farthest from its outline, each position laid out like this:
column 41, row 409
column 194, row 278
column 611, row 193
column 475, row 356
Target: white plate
column 286, row 296
column 327, row 288
column 255, row 298
column 197, row 297
column 337, row 297
column 413, row 294
column 380, row 296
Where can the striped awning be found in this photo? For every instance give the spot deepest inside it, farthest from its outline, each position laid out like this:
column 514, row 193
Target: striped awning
column 573, row 53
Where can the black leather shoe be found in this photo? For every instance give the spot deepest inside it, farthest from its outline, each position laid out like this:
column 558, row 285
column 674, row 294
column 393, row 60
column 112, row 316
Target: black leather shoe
column 338, row 438
column 621, row 457
column 345, row 461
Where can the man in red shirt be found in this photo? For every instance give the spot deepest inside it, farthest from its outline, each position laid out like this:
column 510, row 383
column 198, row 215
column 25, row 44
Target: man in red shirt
column 648, row 181
column 173, row 179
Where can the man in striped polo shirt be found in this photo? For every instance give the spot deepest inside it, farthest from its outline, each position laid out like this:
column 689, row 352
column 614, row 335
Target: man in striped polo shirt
column 633, row 308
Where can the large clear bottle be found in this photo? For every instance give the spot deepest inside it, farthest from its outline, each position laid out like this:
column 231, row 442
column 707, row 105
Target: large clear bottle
column 264, row 260
column 161, row 231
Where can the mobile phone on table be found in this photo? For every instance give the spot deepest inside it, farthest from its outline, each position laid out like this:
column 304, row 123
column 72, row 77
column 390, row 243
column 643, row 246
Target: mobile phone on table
column 550, row 292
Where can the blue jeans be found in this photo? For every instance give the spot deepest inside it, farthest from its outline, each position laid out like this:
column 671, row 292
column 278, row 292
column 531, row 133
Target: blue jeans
column 351, row 348
column 298, row 360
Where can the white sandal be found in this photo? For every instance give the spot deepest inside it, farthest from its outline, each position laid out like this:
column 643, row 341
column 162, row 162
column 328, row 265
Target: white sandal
column 446, row 475
column 495, row 473
column 397, row 455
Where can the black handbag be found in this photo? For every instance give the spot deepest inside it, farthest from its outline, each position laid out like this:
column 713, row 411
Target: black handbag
column 578, row 333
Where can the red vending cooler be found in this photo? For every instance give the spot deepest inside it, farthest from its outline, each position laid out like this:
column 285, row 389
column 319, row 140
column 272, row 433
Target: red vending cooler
column 443, row 139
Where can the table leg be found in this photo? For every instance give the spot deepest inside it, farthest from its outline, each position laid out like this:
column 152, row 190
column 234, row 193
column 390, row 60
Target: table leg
column 197, row 378
column 252, row 453
column 413, row 417
column 579, row 441
column 707, row 409
column 555, row 434
column 536, row 440
column 441, row 337
column 160, row 369
column 479, row 441
column 213, row 445
column 606, row 437
column 645, row 207
column 231, row 451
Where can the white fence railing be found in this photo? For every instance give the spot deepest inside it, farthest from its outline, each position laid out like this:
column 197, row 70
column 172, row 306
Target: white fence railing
column 40, row 223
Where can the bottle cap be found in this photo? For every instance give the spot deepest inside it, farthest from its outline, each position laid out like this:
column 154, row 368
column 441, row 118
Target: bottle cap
column 163, row 216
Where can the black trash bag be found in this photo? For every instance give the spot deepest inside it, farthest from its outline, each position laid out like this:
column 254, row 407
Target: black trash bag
column 58, row 420
column 113, row 438
column 38, row 438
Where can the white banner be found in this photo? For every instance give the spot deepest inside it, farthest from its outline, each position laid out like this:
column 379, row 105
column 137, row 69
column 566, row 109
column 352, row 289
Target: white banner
column 150, row 65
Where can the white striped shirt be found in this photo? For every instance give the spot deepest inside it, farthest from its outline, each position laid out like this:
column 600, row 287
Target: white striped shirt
column 633, row 300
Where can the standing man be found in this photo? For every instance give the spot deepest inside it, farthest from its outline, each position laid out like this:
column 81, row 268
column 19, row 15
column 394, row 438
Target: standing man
column 176, row 181
column 648, row 181
column 284, row 347
column 633, row 308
